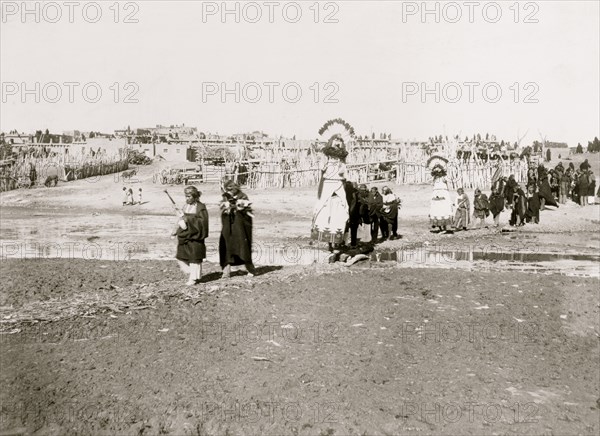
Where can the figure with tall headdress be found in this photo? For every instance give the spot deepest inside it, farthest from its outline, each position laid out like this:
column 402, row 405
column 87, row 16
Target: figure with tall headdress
column 440, row 210
column 331, row 211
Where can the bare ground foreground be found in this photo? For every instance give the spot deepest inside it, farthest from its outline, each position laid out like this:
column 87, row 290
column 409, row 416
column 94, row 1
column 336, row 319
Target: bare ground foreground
column 115, row 344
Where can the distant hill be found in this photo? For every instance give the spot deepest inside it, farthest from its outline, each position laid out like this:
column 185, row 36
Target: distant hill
column 557, row 145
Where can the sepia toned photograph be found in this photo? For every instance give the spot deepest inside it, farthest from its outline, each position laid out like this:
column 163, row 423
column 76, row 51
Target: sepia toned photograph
column 328, row 218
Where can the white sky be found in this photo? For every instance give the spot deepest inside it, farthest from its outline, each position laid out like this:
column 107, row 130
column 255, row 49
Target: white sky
column 170, row 52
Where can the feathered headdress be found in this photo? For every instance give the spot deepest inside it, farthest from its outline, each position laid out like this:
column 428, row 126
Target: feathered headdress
column 336, row 130
column 339, row 128
column 438, row 165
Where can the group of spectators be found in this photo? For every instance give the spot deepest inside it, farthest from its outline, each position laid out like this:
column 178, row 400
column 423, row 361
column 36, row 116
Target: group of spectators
column 376, row 211
column 544, row 188
column 578, row 185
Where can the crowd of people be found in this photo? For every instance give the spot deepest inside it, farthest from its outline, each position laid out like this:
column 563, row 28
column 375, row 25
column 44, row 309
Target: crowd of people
column 544, row 188
column 377, row 212
column 563, row 183
column 352, row 217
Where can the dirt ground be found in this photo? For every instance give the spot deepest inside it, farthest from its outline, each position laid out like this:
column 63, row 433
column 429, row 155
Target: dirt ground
column 324, row 350
column 122, row 347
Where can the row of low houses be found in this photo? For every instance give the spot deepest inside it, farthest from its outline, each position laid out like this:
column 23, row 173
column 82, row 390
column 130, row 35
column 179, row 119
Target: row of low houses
column 16, row 138
column 182, row 134
column 173, row 143
column 183, row 143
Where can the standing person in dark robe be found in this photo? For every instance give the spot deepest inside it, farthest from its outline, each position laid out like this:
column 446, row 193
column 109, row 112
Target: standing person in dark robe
column 548, row 155
column 575, row 186
column 519, row 208
column 375, row 202
column 235, row 243
column 363, row 207
column 532, row 176
column 32, row 174
column 191, row 231
column 545, row 192
column 585, row 165
column 591, row 188
column 353, row 200
column 565, row 186
column 559, row 168
column 533, row 206
column 243, row 174
column 481, row 207
column 496, row 205
column 509, row 190
column 582, row 188
column 542, row 173
column 555, row 183
column 499, row 187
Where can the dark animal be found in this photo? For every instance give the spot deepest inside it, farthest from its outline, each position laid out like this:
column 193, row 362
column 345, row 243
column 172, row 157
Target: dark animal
column 129, row 174
column 51, row 181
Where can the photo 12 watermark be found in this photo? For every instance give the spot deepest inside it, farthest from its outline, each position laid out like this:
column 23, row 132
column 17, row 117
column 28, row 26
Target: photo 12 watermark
column 453, row 252
column 470, row 12
column 51, row 333
column 115, row 251
column 69, row 92
column 270, row 92
column 58, row 413
column 452, row 332
column 270, row 412
column 274, row 253
column 244, row 331
column 70, row 12
column 471, row 92
column 488, row 413
column 270, row 12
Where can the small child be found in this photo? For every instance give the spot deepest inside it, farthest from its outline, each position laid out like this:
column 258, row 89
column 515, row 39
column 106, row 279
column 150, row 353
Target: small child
column 140, row 196
column 463, row 207
column 481, row 207
column 124, row 195
column 130, row 196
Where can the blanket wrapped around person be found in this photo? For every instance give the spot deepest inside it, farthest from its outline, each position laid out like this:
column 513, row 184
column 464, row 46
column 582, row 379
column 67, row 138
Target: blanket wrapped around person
column 235, row 243
column 545, row 191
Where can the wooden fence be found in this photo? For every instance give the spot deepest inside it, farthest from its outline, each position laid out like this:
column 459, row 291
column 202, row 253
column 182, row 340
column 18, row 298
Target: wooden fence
column 402, row 163
column 468, row 175
column 18, row 173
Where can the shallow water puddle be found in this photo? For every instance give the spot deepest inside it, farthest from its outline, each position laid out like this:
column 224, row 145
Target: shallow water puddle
column 106, row 236
column 524, row 261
